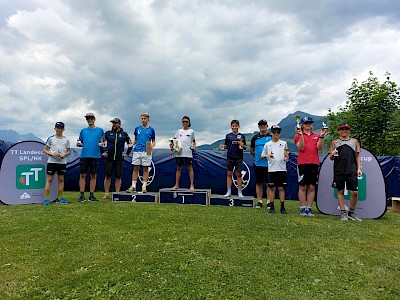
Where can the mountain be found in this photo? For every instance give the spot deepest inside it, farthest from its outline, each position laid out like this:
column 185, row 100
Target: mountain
column 287, row 124
column 14, row 137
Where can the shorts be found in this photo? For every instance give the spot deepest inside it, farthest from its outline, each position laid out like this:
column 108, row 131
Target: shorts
column 348, row 181
column 53, row 168
column 87, row 163
column 141, row 159
column 114, row 166
column 307, row 174
column 278, row 179
column 234, row 163
column 261, row 174
column 183, row 161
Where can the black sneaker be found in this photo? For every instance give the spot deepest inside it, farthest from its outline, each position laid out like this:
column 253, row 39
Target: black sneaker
column 272, row 209
column 81, row 199
column 93, row 199
column 283, row 211
column 259, row 205
column 268, row 205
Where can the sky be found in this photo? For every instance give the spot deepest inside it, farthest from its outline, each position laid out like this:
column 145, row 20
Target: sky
column 213, row 61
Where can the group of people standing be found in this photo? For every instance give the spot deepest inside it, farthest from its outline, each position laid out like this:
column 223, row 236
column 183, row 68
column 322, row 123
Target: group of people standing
column 269, row 151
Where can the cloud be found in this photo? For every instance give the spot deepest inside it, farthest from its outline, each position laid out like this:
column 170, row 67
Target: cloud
column 214, row 61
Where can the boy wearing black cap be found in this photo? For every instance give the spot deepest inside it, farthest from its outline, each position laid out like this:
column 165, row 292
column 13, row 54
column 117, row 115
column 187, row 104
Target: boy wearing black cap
column 260, row 164
column 90, row 139
column 57, row 148
column 345, row 151
column 277, row 152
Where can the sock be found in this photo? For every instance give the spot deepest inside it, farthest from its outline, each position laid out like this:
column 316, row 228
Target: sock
column 91, row 194
column 259, row 201
column 60, row 194
column 343, row 211
column 82, row 194
column 282, row 205
column 229, row 191
column 272, row 205
column 134, row 183
column 144, row 184
column 47, row 194
column 268, row 201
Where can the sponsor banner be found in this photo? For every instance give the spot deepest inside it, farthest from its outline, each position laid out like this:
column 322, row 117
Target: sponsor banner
column 371, row 189
column 23, row 174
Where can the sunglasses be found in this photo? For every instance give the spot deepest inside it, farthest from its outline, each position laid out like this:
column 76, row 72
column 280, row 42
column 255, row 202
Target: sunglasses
column 115, row 122
column 89, row 118
column 185, row 121
column 275, row 131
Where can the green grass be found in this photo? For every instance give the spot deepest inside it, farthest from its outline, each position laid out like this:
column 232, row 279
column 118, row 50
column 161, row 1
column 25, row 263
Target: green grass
column 158, row 251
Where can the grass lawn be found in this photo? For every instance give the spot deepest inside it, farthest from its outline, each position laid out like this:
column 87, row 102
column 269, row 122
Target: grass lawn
column 111, row 250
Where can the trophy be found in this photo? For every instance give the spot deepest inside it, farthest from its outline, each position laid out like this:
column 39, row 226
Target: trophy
column 325, row 126
column 286, row 149
column 239, row 137
column 298, row 121
column 102, row 142
column 79, row 143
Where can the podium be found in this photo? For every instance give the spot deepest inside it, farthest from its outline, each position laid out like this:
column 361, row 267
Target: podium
column 247, row 201
column 135, row 197
column 184, row 196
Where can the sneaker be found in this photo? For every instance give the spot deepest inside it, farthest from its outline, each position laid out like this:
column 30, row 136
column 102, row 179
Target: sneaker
column 272, row 209
column 303, row 212
column 353, row 216
column 227, row 195
column 46, row 202
column 344, row 216
column 283, row 211
column 268, row 205
column 131, row 189
column 309, row 213
column 144, row 190
column 62, row 201
column 259, row 205
column 81, row 199
column 106, row 196
column 93, row 199
column 240, row 195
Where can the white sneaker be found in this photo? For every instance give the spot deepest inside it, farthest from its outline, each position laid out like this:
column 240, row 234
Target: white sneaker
column 240, row 195
column 227, row 195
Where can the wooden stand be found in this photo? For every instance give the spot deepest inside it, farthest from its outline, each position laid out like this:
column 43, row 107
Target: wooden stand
column 396, row 204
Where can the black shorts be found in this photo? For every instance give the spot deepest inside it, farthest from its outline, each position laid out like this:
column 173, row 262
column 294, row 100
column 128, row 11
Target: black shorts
column 183, row 161
column 350, row 181
column 307, row 174
column 53, row 168
column 278, row 179
column 113, row 166
column 88, row 163
column 232, row 163
column 261, row 174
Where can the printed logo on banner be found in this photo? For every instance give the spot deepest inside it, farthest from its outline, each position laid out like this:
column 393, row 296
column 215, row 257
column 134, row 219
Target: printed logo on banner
column 245, row 176
column 152, row 174
column 30, row 177
column 362, row 190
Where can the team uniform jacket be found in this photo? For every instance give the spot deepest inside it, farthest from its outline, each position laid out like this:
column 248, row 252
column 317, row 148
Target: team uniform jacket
column 115, row 144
